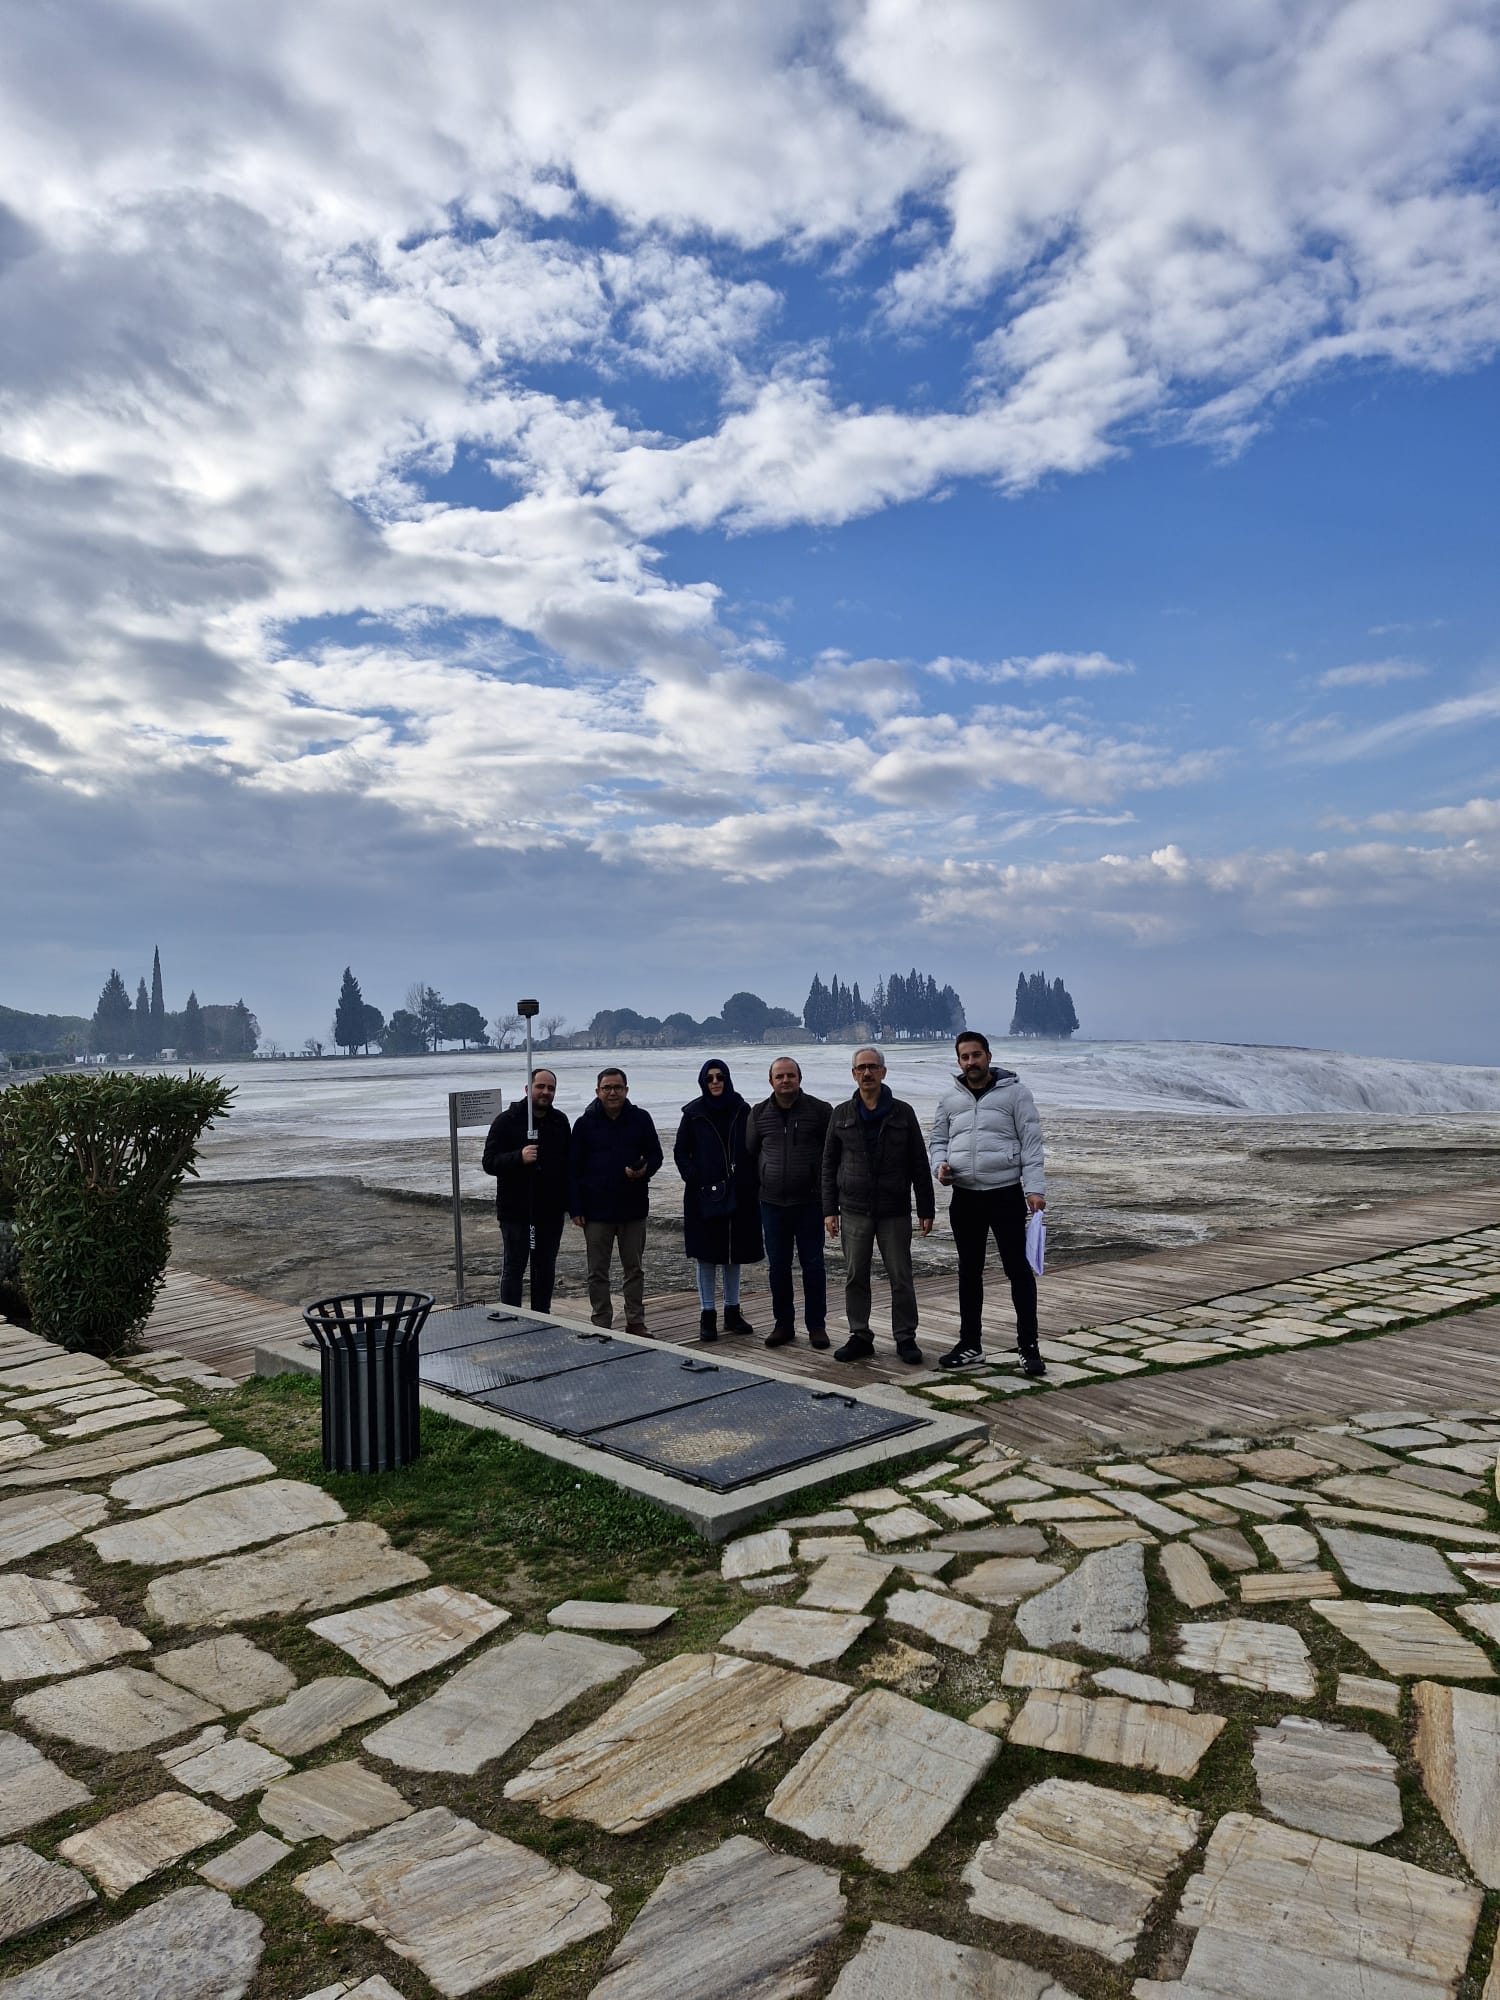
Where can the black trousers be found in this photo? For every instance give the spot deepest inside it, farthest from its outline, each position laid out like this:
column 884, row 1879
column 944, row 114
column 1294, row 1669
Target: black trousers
column 976, row 1214
column 516, row 1237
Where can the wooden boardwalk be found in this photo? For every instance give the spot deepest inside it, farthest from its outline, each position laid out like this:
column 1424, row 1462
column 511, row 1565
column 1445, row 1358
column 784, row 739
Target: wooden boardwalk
column 1449, row 1362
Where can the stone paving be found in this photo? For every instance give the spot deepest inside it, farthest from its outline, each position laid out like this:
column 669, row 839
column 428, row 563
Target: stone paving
column 1403, row 1288
column 1195, row 1725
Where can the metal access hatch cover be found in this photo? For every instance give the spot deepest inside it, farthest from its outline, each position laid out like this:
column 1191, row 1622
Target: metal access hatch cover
column 768, row 1428
column 471, row 1324
column 521, row 1357
column 588, row 1400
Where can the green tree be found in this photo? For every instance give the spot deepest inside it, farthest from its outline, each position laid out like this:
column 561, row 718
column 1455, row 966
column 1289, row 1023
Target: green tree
column 404, row 1035
column 193, row 1041
column 140, row 1026
column 465, row 1024
column 426, row 1003
column 349, row 1015
column 374, row 1025
column 158, row 1006
column 746, row 1015
column 111, row 1025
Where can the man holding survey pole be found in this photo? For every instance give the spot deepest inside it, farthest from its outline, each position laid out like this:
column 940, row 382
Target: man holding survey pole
column 527, row 1152
column 987, row 1146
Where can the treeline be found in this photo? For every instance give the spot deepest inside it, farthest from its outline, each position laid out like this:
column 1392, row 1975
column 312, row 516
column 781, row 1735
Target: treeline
column 744, row 1017
column 29, row 1038
column 907, row 1006
column 147, row 1029
column 420, row 1026
column 1042, row 1009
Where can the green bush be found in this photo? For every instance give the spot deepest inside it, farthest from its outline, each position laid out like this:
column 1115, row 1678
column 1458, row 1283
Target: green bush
column 90, row 1163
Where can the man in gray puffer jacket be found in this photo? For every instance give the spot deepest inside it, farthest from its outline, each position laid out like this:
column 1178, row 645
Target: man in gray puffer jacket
column 987, row 1146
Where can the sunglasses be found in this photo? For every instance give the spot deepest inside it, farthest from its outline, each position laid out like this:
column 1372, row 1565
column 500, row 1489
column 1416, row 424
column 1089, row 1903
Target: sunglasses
column 716, row 1076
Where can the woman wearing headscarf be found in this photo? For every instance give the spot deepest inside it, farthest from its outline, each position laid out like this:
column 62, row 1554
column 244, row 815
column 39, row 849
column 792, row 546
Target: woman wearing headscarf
column 720, row 1195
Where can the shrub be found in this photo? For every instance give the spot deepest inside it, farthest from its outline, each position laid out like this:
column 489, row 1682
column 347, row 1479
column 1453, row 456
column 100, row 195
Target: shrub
column 91, row 1163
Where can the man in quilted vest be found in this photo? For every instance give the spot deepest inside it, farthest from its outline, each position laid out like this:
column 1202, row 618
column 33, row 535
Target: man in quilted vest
column 987, row 1146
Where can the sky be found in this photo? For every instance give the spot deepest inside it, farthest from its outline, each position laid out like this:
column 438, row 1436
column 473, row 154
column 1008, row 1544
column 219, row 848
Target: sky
column 627, row 503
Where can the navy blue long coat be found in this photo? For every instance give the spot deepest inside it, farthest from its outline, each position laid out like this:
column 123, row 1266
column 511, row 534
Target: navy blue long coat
column 708, row 1151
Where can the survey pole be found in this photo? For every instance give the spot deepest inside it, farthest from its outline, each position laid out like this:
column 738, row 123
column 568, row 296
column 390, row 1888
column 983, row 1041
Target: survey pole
column 528, row 1011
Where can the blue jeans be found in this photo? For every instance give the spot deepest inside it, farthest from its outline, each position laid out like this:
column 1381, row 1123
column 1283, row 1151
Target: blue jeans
column 706, row 1275
column 799, row 1228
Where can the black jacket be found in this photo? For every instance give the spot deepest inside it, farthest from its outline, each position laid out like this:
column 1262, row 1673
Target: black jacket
column 788, row 1151
column 876, row 1169
column 524, row 1193
column 708, row 1154
column 601, row 1149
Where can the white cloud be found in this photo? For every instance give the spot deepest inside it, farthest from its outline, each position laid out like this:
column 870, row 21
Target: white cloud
column 1036, row 667
column 1459, row 712
column 1475, row 819
column 933, row 758
column 1372, row 673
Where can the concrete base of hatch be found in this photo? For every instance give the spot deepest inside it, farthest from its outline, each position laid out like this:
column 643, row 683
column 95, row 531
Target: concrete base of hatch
column 714, row 1515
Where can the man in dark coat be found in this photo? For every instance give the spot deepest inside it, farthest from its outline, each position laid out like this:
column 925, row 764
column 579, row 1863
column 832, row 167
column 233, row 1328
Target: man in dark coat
column 874, row 1162
column 613, row 1154
column 720, row 1205
column 531, row 1190
column 785, row 1140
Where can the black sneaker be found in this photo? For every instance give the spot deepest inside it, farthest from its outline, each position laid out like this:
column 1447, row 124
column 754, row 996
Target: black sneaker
column 908, row 1351
column 858, row 1347
column 708, row 1325
column 781, row 1336
column 1032, row 1363
column 817, row 1336
column 962, row 1356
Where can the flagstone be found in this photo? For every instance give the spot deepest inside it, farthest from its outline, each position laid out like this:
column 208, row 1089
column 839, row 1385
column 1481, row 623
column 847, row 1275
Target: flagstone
column 333, row 1802
column 1226, row 1545
column 190, row 1945
column 899, row 1525
column 1485, row 1619
column 1143, row 1687
column 884, row 1778
column 103, row 1456
column 761, row 1585
column 1404, row 1524
column 995, row 1541
column 1007, row 1579
column 1359, row 1691
column 466, row 1906
column 316, row 1713
column 238, row 1866
column 753, row 1555
column 966, row 1509
column 584, row 1614
column 1039, row 1670
column 678, row 1731
column 1328, row 1778
column 1204, row 1510
column 1146, row 1736
column 1292, row 1547
column 374, row 1988
column 833, row 1517
column 1130, row 1474
column 767, row 1916
column 1380, row 1562
column 147, row 1409
column 21, row 1444
column 1248, row 1653
column 1280, row 1586
column 1281, row 1462
column 405, row 1636
column 216, row 1523
column 815, row 1548
column 1483, row 1570
column 1471, row 1458
column 485, row 1708
column 1001, row 1492
column 921, row 1562
column 1187, row 1465
column 1245, row 1500
column 1279, row 1910
column 845, row 1583
column 1388, row 1493
column 898, row 1964
column 32, row 1787
column 1074, row 1507
column 37, row 1521
column 956, row 1392
column 939, row 1469
column 994, row 1716
column 800, row 1637
column 64, row 1646
column 1437, row 1480
column 187, row 1478
column 1073, row 1477
column 1152, row 1514
column 309, row 1572
column 1457, row 1749
column 230, row 1768
column 1100, row 1606
column 32, row 1600
column 117, row 1709
column 131, row 1846
column 964, row 1627
column 874, row 1498
column 34, row 1892
column 229, row 1671
column 1080, row 1862
column 1408, row 1639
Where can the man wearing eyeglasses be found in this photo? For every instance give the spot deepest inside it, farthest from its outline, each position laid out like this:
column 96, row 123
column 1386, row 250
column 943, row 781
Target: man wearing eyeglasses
column 874, row 1164
column 614, row 1153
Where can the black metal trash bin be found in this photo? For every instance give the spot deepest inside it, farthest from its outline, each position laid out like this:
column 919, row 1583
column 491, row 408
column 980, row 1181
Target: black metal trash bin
column 370, row 1354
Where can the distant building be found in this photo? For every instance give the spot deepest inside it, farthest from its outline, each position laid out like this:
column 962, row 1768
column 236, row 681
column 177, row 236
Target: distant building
column 787, row 1037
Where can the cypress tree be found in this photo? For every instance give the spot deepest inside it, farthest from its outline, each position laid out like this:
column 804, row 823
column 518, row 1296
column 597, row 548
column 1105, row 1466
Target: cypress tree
column 194, row 1037
column 349, row 1015
column 158, row 1006
column 140, row 1026
column 112, row 1021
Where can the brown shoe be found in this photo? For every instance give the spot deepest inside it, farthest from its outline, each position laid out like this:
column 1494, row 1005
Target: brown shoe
column 638, row 1329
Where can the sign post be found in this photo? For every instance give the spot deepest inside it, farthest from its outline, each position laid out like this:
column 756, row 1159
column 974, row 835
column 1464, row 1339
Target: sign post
column 466, row 1108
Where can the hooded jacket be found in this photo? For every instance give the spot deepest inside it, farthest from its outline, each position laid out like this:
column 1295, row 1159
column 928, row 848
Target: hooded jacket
column 523, row 1193
column 992, row 1140
column 876, row 1167
column 711, row 1151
